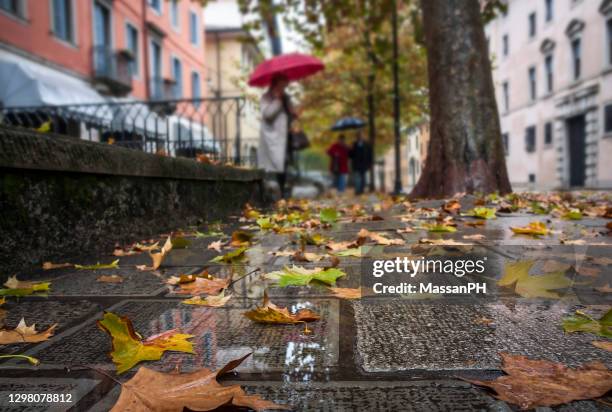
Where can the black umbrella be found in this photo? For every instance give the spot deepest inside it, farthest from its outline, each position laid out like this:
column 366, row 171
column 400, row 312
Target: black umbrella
column 348, row 123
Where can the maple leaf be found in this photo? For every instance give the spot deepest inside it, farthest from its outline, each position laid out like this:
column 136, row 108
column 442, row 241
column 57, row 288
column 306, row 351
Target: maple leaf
column 232, row 256
column 203, row 286
column 113, row 265
column 157, row 258
column 531, row 383
column 533, row 229
column 581, row 322
column 379, row 239
column 299, row 276
column 17, row 287
column 24, row 333
column 529, row 286
column 481, row 212
column 216, row 246
column 110, row 279
column 128, row 349
column 270, row 313
column 346, row 293
column 211, row 301
column 156, row 391
column 328, row 215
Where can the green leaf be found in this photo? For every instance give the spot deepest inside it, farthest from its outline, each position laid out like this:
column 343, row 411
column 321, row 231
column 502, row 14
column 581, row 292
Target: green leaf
column 37, row 287
column 328, row 215
column 265, row 223
column 538, row 209
column 481, row 212
column 180, row 242
column 581, row 322
column 573, row 214
column 113, row 265
column 232, row 256
column 299, row 276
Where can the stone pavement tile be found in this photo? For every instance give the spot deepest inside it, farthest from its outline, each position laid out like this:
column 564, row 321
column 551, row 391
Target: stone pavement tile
column 44, row 313
column 396, row 335
column 72, row 389
column 221, row 334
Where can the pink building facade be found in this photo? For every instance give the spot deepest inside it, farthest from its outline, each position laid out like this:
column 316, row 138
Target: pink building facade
column 89, row 51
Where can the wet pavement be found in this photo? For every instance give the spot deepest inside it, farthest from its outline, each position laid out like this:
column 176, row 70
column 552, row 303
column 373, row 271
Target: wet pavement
column 393, row 353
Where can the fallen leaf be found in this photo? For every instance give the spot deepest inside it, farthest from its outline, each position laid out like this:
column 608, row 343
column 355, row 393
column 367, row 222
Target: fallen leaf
column 483, row 321
column 533, row 286
column 605, row 345
column 379, row 239
column 211, row 301
column 328, row 215
column 340, row 246
column 270, row 313
column 157, row 258
column 604, row 289
column 346, row 293
column 573, row 214
column 533, row 229
column 299, row 276
column 588, row 271
column 129, row 349
column 452, row 206
column 216, row 246
column 241, row 238
column 17, row 287
column 203, row 286
column 50, row 266
column 113, row 265
column 232, row 256
column 110, row 279
column 475, row 223
column 300, row 256
column 180, row 242
column 531, row 383
column 405, row 230
column 156, row 391
column 477, row 236
column 120, row 252
column 581, row 322
column 23, row 333
column 577, row 242
column 438, row 227
column 481, row 213
column 555, row 266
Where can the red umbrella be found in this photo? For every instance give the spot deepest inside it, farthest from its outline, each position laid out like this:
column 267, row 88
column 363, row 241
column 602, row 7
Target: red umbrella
column 294, row 66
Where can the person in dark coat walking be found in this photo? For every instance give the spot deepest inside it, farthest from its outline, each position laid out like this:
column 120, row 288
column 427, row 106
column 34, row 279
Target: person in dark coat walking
column 338, row 166
column 361, row 161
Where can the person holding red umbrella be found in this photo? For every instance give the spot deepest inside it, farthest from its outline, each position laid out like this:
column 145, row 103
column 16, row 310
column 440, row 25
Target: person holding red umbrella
column 277, row 112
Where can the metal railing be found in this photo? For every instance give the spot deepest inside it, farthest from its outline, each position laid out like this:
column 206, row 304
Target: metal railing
column 180, row 127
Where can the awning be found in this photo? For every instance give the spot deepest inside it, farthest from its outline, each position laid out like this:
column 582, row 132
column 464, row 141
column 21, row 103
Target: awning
column 27, row 83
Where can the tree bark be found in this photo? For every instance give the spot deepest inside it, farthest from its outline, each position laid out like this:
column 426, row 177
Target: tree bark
column 465, row 151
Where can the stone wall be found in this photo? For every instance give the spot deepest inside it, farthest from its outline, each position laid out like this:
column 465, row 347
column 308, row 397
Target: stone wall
column 64, row 197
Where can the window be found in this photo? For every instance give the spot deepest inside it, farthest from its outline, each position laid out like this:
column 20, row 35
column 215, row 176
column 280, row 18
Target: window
column 506, row 96
column 548, row 69
column 532, row 83
column 177, row 74
column 505, row 142
column 196, row 88
column 548, row 133
column 532, row 177
column 549, row 9
column 14, row 7
column 532, row 25
column 156, row 5
column 505, row 45
column 62, row 20
column 194, row 34
column 530, row 139
column 174, row 13
column 157, row 90
column 576, row 57
column 608, row 118
column 609, row 26
column 131, row 44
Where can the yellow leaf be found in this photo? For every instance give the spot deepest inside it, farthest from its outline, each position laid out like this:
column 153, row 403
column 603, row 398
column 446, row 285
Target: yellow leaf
column 534, row 229
column 23, row 333
column 128, row 349
column 158, row 258
column 533, row 286
column 211, row 301
column 379, row 239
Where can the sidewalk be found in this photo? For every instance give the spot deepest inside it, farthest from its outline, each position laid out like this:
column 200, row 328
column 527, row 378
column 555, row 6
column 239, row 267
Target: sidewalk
column 377, row 353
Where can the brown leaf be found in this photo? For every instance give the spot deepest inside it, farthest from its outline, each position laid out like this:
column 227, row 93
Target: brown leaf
column 555, row 266
column 270, row 313
column 203, row 286
column 50, row 266
column 23, row 333
column 346, row 293
column 477, row 236
column 588, row 271
column 475, row 223
column 156, row 391
column 379, row 239
column 216, row 246
column 158, row 258
column 602, row 344
column 604, row 289
column 452, row 206
column 110, row 279
column 530, row 383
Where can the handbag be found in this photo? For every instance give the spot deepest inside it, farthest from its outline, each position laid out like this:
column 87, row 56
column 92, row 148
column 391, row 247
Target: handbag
column 299, row 140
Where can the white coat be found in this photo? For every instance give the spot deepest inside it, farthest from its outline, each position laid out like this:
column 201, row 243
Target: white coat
column 272, row 150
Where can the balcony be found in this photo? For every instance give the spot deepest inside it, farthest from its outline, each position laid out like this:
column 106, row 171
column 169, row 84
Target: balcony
column 162, row 90
column 112, row 70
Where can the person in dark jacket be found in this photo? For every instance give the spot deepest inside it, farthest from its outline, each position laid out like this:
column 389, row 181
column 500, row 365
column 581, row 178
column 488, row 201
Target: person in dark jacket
column 361, row 161
column 339, row 155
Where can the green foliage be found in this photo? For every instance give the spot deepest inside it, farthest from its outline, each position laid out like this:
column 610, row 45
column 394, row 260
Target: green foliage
column 581, row 322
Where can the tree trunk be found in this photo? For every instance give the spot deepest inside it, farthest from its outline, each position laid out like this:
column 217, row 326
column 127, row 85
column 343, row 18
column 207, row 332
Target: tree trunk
column 372, row 127
column 465, row 151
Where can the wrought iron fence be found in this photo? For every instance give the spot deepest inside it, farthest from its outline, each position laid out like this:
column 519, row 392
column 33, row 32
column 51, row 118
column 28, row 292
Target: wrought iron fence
column 212, row 127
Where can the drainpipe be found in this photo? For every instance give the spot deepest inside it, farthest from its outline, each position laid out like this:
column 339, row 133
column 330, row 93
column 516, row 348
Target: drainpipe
column 145, row 38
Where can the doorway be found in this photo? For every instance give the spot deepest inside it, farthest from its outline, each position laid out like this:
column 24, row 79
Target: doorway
column 576, row 132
